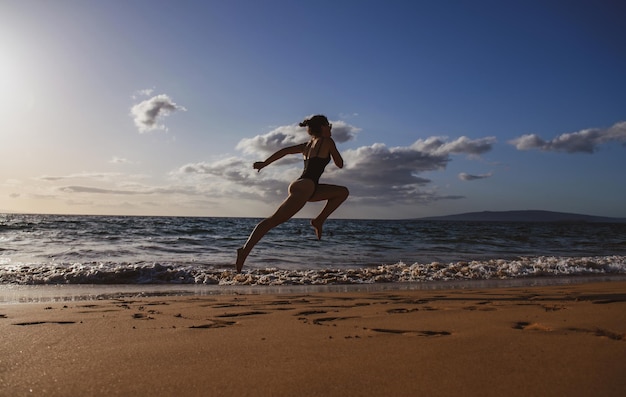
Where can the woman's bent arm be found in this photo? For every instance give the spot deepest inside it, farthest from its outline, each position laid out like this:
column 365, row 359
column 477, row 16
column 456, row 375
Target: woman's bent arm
column 334, row 153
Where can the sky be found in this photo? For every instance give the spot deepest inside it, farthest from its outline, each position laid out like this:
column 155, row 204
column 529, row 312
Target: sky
column 438, row 107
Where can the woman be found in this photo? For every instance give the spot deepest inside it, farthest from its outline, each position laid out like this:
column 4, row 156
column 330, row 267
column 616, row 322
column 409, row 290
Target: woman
column 317, row 154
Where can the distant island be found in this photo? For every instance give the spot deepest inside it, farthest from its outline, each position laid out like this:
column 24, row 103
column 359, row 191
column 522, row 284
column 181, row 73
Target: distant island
column 524, row 216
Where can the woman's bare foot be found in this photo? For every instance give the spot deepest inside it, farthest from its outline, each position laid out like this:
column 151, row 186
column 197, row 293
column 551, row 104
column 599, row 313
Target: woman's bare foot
column 317, row 225
column 240, row 260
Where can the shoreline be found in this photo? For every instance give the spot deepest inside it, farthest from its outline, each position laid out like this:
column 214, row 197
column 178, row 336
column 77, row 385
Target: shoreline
column 564, row 339
column 18, row 293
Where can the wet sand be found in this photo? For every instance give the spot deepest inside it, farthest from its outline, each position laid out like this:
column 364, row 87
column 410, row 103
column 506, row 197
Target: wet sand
column 518, row 341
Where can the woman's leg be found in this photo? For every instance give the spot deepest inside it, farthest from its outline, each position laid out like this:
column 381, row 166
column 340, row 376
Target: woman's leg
column 335, row 195
column 299, row 192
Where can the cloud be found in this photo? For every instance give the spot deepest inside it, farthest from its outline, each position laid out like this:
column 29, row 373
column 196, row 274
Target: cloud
column 131, row 190
column 374, row 174
column 88, row 175
column 235, row 176
column 344, row 132
column 120, row 160
column 147, row 113
column 289, row 135
column 469, row 177
column 145, row 92
column 232, row 169
column 87, row 189
column 348, row 115
column 584, row 141
column 393, row 174
column 438, row 146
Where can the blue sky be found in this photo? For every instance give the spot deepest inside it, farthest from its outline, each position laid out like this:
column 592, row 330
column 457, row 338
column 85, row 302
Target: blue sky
column 438, row 107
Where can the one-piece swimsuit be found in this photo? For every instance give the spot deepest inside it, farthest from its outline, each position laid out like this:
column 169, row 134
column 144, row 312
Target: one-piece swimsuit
column 314, row 166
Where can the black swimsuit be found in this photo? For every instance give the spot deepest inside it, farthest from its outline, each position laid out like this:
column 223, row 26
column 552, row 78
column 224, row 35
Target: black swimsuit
column 314, row 166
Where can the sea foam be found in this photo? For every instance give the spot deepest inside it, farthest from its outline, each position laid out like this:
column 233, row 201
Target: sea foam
column 171, row 273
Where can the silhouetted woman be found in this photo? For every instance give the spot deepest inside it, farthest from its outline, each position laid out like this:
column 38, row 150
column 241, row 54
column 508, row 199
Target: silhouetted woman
column 317, row 153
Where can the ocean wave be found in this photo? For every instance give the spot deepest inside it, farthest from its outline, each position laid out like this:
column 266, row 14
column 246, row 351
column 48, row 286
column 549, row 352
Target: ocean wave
column 170, row 273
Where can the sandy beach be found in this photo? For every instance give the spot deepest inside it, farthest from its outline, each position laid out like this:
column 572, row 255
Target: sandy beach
column 565, row 340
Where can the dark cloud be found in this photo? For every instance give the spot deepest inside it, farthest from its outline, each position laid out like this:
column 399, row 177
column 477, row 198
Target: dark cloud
column 378, row 165
column 344, row 132
column 469, row 177
column 584, row 141
column 394, row 174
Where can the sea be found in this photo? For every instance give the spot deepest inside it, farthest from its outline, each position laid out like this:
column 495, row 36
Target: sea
column 52, row 250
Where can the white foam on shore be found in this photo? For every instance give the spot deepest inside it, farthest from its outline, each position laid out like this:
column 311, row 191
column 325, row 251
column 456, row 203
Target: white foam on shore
column 168, row 273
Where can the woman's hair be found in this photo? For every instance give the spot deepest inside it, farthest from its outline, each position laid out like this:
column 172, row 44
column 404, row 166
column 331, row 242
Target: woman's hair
column 315, row 124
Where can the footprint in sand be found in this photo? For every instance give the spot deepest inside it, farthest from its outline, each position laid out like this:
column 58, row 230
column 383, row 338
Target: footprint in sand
column 324, row 320
column 141, row 316
column 526, row 326
column 607, row 301
column 242, row 314
column 601, row 332
column 45, row 322
column 401, row 310
column 552, row 308
column 214, row 324
column 483, row 306
column 310, row 312
column 276, row 303
column 409, row 332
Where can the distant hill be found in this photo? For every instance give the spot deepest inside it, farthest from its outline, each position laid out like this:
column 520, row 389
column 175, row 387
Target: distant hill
column 524, row 216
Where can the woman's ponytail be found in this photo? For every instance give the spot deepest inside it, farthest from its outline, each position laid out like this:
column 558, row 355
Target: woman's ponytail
column 315, row 124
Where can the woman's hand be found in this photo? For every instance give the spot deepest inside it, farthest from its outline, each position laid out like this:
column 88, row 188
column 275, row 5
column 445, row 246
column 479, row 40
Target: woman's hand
column 259, row 165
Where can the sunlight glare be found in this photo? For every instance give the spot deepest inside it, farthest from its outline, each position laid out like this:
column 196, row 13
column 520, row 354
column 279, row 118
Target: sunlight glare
column 14, row 94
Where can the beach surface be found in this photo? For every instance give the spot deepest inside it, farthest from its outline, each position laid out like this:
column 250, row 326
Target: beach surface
column 515, row 341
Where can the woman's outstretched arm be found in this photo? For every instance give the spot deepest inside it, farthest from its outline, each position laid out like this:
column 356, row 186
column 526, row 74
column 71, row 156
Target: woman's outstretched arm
column 279, row 155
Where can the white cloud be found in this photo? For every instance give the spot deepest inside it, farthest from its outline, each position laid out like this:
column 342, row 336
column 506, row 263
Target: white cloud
column 263, row 145
column 146, row 114
column 119, row 160
column 235, row 176
column 374, row 174
column 232, row 169
column 584, row 141
column 462, row 145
